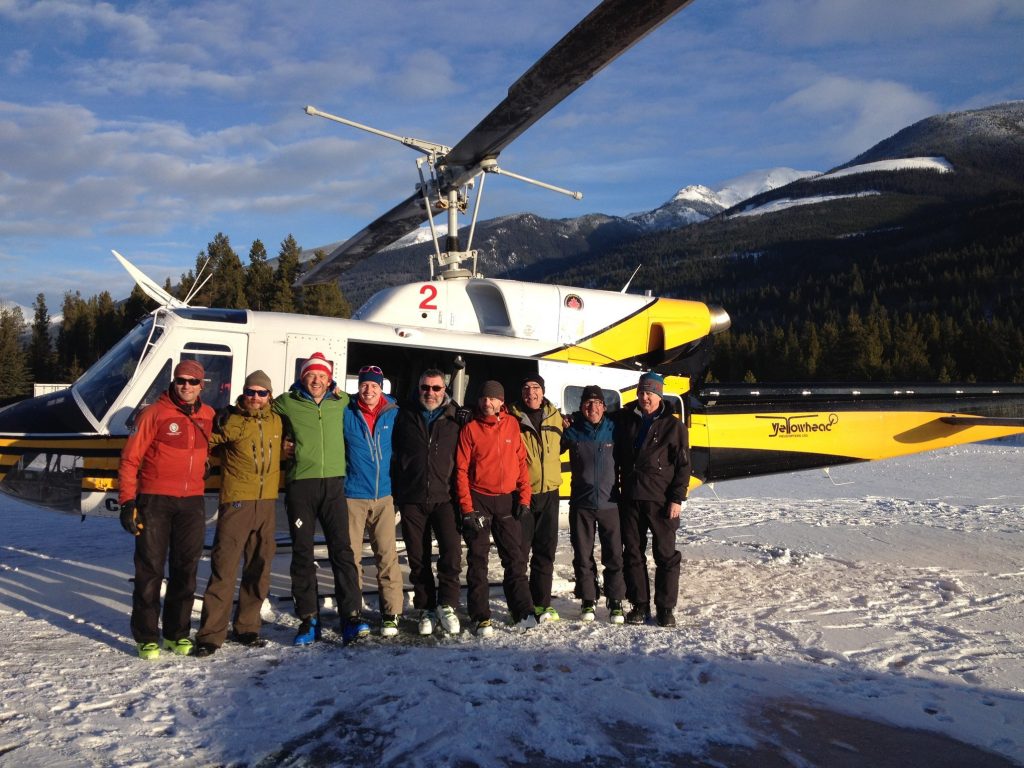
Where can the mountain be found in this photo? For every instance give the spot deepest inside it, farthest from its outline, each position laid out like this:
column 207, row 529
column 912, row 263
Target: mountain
column 528, row 247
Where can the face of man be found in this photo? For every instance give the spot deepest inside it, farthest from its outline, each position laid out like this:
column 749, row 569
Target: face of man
column 316, row 383
column 369, row 393
column 593, row 410
column 489, row 406
column 533, row 395
column 649, row 402
column 186, row 390
column 431, row 392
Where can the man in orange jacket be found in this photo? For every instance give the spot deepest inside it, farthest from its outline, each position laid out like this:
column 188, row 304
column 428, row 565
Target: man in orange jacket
column 493, row 487
column 161, row 495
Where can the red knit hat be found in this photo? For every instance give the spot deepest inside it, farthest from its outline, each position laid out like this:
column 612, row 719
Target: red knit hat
column 189, row 369
column 317, row 362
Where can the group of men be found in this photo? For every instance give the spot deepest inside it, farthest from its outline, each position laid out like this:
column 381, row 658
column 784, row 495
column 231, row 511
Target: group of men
column 451, row 475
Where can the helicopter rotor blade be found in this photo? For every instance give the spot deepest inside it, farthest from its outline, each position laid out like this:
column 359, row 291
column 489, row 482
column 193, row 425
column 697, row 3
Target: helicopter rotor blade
column 607, row 32
column 396, row 223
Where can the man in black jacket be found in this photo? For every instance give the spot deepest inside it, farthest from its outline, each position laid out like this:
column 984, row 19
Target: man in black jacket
column 423, row 462
column 653, row 454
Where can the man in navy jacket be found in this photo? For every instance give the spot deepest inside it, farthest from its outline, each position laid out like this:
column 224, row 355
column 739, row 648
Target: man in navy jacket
column 593, row 506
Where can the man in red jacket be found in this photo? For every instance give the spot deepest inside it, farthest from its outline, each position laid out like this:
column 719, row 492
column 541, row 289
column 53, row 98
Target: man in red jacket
column 161, row 494
column 493, row 487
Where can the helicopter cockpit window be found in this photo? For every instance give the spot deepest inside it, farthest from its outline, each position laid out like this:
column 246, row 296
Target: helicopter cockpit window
column 100, row 386
column 159, row 385
column 571, row 399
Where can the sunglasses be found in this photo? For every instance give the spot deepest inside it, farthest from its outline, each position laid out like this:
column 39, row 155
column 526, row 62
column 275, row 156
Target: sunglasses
column 371, row 369
column 255, row 392
column 182, row 381
column 431, row 388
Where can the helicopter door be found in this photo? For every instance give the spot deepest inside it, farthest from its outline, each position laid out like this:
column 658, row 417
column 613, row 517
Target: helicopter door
column 300, row 346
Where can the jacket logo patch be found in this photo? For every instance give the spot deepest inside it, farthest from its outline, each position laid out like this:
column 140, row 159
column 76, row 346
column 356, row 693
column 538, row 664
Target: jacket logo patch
column 173, row 428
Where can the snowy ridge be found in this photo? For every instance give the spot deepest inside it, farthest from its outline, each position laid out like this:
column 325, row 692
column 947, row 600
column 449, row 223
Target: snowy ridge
column 774, row 206
column 937, row 164
column 895, row 595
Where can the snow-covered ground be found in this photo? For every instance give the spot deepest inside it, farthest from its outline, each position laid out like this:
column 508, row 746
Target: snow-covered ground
column 874, row 618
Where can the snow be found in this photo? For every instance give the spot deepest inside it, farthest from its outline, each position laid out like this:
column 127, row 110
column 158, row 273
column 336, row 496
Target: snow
column 774, row 206
column 937, row 164
column 818, row 616
column 740, row 188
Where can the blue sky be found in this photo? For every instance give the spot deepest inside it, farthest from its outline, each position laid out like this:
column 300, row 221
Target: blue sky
column 149, row 127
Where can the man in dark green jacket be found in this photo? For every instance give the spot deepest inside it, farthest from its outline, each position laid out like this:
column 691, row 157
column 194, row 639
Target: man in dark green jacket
column 249, row 441
column 313, row 413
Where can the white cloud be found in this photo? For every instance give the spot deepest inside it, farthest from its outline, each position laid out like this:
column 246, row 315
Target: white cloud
column 854, row 115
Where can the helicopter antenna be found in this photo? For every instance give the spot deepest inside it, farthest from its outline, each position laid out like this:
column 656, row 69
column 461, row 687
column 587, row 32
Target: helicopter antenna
column 198, row 286
column 626, row 286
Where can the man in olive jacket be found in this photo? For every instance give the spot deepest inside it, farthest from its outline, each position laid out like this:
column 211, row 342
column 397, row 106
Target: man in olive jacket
column 249, row 438
column 313, row 414
column 540, row 425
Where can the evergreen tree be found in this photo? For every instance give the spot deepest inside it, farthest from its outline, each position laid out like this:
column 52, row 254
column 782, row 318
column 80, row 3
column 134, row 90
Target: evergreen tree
column 286, row 297
column 135, row 308
column 75, row 339
column 14, row 375
column 40, row 349
column 324, row 299
column 107, row 325
column 259, row 278
column 227, row 286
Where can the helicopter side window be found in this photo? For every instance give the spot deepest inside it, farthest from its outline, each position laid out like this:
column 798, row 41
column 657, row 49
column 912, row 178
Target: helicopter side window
column 216, row 361
column 571, row 399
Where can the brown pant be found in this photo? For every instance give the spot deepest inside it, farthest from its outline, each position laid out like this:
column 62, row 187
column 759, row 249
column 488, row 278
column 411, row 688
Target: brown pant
column 244, row 529
column 378, row 517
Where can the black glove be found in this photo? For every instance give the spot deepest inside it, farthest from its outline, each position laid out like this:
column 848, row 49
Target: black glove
column 473, row 523
column 520, row 510
column 463, row 416
column 131, row 518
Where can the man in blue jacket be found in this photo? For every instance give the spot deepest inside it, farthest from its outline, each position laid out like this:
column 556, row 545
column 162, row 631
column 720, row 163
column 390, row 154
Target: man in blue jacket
column 369, row 424
column 593, row 505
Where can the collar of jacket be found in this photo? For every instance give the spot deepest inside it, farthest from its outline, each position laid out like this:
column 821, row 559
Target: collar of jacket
column 491, row 420
column 260, row 413
column 546, row 409
column 301, row 393
column 635, row 407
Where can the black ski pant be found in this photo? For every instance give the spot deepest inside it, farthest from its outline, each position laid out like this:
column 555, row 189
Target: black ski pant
column 639, row 518
column 419, row 521
column 540, row 541
column 172, row 535
column 584, row 526
column 308, row 502
column 245, row 530
column 507, row 538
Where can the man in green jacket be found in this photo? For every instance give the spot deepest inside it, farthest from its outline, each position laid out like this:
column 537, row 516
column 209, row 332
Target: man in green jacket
column 540, row 425
column 313, row 413
column 249, row 439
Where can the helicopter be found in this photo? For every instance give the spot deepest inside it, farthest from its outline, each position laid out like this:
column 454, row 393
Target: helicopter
column 61, row 451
